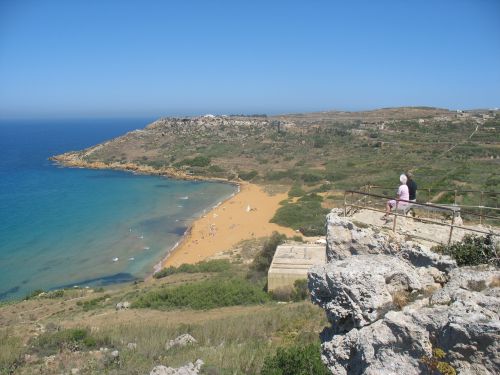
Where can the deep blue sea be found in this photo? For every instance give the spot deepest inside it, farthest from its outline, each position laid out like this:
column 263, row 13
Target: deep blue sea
column 61, row 227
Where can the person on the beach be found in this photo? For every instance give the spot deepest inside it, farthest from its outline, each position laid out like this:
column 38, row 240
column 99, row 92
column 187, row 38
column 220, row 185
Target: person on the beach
column 402, row 194
column 412, row 187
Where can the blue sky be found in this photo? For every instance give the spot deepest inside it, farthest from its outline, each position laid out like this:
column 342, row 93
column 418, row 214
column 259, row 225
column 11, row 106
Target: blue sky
column 97, row 58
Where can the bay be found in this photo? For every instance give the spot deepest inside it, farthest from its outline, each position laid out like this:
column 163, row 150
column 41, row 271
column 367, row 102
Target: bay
column 66, row 226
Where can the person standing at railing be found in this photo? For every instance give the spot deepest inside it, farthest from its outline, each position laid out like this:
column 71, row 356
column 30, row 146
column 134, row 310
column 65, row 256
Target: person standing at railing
column 412, row 187
column 403, row 194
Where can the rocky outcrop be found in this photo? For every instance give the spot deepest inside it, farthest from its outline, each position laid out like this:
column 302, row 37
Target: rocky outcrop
column 391, row 304
column 182, row 340
column 189, row 369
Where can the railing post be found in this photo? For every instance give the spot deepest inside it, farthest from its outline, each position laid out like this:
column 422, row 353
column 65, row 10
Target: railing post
column 345, row 203
column 395, row 217
column 481, row 209
column 451, row 227
column 455, row 200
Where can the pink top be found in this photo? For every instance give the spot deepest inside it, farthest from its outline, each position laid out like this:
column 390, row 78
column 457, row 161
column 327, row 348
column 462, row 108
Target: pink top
column 403, row 193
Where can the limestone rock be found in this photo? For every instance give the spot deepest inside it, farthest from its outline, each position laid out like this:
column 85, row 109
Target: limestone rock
column 189, row 369
column 454, row 309
column 359, row 290
column 122, row 305
column 182, row 340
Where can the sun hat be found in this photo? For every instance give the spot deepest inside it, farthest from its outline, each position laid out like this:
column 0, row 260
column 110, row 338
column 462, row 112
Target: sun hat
column 403, row 179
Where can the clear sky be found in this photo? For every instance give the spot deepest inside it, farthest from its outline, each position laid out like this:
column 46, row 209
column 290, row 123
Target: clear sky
column 95, row 58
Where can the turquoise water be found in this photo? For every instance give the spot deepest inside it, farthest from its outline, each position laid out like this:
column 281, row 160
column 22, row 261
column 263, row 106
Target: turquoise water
column 65, row 226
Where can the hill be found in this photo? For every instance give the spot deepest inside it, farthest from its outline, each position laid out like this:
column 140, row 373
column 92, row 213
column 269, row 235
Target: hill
column 348, row 149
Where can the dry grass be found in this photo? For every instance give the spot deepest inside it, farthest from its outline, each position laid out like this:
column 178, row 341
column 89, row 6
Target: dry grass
column 495, row 283
column 400, row 299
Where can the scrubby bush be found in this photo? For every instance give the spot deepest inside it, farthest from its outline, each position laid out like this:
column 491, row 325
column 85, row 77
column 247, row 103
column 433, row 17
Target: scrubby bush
column 436, row 365
column 215, row 265
column 472, row 250
column 306, row 215
column 205, row 295
column 296, row 191
column 247, row 176
column 93, row 303
column 33, row 294
column 295, row 360
column 297, row 293
column 198, row 161
column 262, row 261
column 70, row 339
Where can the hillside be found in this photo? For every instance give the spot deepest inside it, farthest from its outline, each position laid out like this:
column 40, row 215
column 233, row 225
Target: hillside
column 349, row 149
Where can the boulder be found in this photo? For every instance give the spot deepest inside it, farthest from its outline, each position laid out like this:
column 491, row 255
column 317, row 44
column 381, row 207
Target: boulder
column 189, row 369
column 122, row 305
column 359, row 290
column 182, row 340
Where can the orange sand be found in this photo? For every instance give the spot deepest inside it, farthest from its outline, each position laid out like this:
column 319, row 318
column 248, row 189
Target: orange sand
column 231, row 222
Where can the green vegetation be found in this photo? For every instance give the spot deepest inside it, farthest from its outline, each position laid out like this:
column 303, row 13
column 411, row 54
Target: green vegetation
column 73, row 339
column 93, row 303
column 33, row 294
column 216, row 265
column 295, row 360
column 198, row 161
column 262, row 261
column 248, row 176
column 299, row 292
column 11, row 351
column 306, row 215
column 296, row 191
column 436, row 365
column 207, row 294
column 472, row 250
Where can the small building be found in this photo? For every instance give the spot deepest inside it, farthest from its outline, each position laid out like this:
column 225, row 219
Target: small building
column 291, row 262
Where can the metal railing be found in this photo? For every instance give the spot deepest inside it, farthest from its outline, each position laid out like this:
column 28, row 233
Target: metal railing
column 483, row 195
column 362, row 202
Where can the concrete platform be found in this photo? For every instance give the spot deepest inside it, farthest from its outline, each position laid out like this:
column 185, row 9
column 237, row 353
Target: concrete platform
column 291, row 262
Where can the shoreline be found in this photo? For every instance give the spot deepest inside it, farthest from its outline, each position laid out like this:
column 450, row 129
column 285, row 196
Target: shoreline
column 242, row 216
column 160, row 264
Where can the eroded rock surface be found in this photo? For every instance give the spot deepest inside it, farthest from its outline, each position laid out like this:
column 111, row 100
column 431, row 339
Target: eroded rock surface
column 392, row 303
column 189, row 369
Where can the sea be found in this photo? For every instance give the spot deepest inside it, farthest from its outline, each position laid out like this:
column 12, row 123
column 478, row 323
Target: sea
column 69, row 227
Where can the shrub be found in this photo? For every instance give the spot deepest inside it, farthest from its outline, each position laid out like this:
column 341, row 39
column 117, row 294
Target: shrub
column 300, row 290
column 436, row 365
column 311, row 178
column 198, row 161
column 205, row 295
column 93, row 303
column 71, row 339
column 296, row 191
column 215, row 169
column 247, row 176
column 297, row 293
column 262, row 261
column 215, row 265
column 34, row 293
column 306, row 215
column 11, row 351
column 295, row 360
column 472, row 250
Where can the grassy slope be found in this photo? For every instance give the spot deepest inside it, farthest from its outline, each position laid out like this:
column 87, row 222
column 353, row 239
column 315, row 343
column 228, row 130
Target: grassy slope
column 231, row 340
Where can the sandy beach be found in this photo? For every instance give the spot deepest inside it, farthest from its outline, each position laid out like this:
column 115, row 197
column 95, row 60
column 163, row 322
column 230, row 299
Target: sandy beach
column 244, row 216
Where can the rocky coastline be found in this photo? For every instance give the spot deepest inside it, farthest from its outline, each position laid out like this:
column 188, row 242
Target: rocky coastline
column 74, row 160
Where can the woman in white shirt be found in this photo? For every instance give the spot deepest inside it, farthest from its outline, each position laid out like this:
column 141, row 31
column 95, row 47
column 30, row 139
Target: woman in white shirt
column 403, row 194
